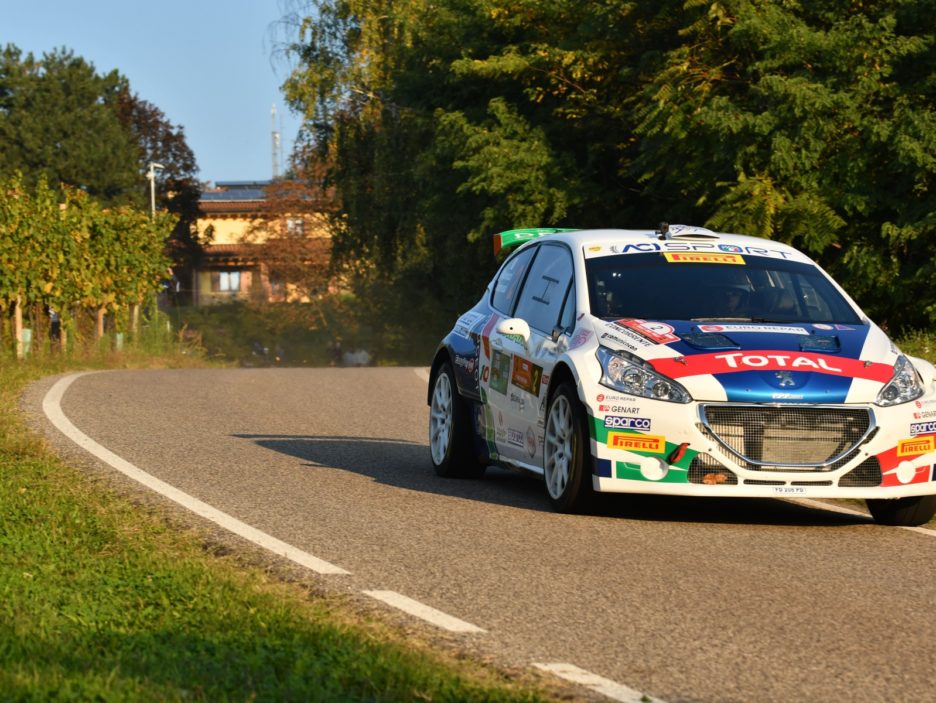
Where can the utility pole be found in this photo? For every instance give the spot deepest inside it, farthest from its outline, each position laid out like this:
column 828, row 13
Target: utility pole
column 151, row 175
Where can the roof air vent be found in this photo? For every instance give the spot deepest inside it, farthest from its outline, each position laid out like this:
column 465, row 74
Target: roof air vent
column 687, row 232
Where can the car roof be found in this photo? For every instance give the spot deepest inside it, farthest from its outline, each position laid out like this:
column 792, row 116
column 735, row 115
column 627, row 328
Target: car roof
column 677, row 238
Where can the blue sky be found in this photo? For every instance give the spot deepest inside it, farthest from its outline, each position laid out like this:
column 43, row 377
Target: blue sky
column 210, row 66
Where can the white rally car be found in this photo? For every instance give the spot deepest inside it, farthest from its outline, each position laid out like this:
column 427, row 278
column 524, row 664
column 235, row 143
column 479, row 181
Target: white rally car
column 684, row 362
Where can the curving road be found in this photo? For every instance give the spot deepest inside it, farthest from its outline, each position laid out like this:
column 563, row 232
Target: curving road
column 679, row 599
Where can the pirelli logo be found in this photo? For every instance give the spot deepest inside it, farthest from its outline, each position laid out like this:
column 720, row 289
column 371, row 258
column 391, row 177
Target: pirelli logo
column 916, row 446
column 653, row 444
column 701, row 257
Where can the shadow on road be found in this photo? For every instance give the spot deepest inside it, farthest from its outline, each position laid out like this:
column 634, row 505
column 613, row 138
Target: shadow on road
column 405, row 464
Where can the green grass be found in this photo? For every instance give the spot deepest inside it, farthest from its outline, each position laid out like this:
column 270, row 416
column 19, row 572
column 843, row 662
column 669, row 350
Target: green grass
column 104, row 600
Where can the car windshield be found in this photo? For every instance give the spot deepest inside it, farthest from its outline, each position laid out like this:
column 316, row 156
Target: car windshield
column 648, row 286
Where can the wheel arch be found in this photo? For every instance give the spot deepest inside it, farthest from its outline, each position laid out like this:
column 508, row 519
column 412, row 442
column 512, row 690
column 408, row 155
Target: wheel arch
column 441, row 356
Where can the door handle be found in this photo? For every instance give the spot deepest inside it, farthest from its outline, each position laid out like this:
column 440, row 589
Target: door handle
column 497, row 343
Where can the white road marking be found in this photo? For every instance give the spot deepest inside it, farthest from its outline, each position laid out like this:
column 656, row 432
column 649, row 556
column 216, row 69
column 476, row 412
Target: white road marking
column 606, row 687
column 818, row 504
column 422, row 611
column 51, row 406
column 423, row 374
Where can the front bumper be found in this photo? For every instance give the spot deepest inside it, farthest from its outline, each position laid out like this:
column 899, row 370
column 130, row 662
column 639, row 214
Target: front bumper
column 646, row 446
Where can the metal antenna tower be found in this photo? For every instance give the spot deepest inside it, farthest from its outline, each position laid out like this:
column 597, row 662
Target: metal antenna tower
column 276, row 144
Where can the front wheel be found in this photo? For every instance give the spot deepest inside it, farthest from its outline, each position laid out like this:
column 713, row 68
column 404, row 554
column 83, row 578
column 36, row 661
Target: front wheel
column 450, row 434
column 566, row 453
column 903, row 512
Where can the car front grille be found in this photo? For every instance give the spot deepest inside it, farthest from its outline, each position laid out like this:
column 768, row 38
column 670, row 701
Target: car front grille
column 787, row 437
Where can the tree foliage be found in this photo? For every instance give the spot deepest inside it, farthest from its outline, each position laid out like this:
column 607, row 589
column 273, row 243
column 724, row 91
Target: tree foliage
column 63, row 251
column 65, row 125
column 442, row 122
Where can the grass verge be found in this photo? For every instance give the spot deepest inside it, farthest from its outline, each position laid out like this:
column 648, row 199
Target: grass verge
column 102, row 600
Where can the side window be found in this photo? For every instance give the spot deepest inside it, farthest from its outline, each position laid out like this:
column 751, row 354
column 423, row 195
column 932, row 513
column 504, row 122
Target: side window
column 545, row 289
column 509, row 280
column 567, row 320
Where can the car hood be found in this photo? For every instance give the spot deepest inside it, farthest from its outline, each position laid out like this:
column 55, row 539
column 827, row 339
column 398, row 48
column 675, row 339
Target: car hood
column 760, row 362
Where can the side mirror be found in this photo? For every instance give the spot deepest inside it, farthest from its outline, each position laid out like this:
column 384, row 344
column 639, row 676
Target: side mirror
column 515, row 327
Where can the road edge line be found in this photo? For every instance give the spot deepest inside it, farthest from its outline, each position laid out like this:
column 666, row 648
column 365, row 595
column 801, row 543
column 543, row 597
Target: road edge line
column 606, row 687
column 51, row 406
column 423, row 611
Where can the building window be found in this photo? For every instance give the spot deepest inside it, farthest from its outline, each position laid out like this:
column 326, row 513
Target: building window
column 225, row 281
column 295, row 226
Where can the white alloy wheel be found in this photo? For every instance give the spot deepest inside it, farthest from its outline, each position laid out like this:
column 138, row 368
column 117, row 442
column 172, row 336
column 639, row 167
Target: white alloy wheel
column 440, row 419
column 559, row 447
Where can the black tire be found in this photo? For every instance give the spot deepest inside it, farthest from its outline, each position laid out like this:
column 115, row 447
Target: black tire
column 567, row 462
column 904, row 512
column 451, row 440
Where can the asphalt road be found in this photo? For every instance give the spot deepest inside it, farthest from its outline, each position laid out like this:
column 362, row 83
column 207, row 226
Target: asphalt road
column 684, row 600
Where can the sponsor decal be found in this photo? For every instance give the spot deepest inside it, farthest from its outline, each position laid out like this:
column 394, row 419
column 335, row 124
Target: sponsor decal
column 922, row 428
column 652, row 444
column 701, row 257
column 486, row 334
column 628, row 333
column 685, row 246
column 613, row 397
column 786, row 396
column 752, row 328
column 469, row 363
column 580, row 338
column 531, row 442
column 769, row 360
column 608, row 337
column 485, row 374
column 526, row 375
column 500, row 368
column 917, row 446
column 926, row 414
column 515, row 437
column 467, row 322
column 619, row 422
column 823, row 326
column 658, row 332
column 628, row 410
column 618, row 409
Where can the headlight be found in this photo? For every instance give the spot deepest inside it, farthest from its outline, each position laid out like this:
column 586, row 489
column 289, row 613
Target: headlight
column 906, row 385
column 628, row 374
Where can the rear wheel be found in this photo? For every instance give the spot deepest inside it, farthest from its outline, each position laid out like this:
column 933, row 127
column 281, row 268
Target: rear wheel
column 566, row 453
column 904, row 512
column 450, row 433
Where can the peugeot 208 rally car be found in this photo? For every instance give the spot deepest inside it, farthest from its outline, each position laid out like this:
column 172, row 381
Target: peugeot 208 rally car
column 684, row 362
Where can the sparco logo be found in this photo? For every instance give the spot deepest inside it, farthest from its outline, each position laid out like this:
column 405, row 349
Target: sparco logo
column 922, row 428
column 628, row 423
column 738, row 360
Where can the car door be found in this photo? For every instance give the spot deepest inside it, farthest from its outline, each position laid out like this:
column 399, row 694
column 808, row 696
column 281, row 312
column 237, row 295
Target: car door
column 546, row 304
column 497, row 352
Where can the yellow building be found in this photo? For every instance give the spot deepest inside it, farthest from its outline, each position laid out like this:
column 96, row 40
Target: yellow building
column 237, row 220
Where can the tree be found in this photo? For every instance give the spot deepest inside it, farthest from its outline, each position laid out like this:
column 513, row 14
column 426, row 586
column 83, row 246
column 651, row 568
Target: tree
column 443, row 122
column 177, row 188
column 58, row 121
